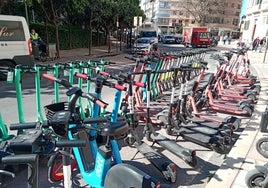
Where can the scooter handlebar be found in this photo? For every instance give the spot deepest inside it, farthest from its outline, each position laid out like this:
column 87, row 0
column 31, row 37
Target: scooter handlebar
column 49, row 77
column 80, row 75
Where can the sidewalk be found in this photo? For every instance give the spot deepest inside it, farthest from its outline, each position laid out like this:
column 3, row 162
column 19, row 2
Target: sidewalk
column 244, row 156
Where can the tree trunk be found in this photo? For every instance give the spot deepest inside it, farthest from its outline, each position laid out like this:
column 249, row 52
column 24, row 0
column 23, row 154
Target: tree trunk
column 90, row 42
column 70, row 35
column 57, row 40
column 108, row 40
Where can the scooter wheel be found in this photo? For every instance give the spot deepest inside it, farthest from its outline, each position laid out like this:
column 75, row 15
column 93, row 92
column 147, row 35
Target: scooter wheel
column 43, row 56
column 256, row 89
column 248, row 110
column 251, row 96
column 228, row 140
column 191, row 161
column 252, row 81
column 262, row 147
column 254, row 178
column 236, row 124
column 220, row 148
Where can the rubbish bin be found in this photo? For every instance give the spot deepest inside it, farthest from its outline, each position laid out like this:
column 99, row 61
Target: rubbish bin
column 52, row 50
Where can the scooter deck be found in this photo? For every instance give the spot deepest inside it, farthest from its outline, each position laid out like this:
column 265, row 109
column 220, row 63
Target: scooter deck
column 208, row 122
column 172, row 146
column 198, row 138
column 160, row 161
column 203, row 129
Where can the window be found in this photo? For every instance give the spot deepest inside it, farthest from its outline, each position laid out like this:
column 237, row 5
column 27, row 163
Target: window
column 246, row 25
column 11, row 31
column 164, row 4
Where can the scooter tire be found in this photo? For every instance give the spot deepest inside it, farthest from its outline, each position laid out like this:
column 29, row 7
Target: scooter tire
column 43, row 57
column 220, row 148
column 234, row 122
column 248, row 110
column 192, row 163
column 262, row 146
column 251, row 96
column 55, row 168
column 254, row 178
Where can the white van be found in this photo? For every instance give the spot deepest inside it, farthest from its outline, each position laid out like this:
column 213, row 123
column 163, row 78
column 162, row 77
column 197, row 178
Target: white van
column 15, row 42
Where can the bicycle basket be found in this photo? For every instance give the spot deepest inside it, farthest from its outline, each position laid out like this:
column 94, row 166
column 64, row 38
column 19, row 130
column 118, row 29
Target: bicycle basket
column 51, row 109
column 59, row 116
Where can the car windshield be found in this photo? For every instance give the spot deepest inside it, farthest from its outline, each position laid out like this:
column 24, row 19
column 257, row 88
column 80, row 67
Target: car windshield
column 169, row 37
column 144, row 41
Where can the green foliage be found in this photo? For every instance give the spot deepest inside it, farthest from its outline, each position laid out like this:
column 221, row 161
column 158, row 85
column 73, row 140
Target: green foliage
column 79, row 36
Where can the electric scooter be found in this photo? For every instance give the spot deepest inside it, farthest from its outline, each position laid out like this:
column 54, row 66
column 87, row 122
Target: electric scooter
column 201, row 134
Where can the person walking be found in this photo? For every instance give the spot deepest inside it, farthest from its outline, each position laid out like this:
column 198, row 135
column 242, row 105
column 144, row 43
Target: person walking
column 229, row 39
column 225, row 39
column 262, row 43
column 256, row 43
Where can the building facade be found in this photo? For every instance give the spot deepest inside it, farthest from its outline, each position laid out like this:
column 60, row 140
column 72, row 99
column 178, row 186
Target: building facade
column 170, row 14
column 255, row 23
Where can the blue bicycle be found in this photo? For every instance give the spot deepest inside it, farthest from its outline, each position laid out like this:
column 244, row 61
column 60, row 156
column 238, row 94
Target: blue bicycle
column 96, row 166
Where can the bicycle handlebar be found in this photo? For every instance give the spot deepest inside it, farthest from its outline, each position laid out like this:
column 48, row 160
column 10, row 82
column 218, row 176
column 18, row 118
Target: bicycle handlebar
column 67, row 85
column 28, row 125
column 95, row 99
column 103, row 81
column 70, row 143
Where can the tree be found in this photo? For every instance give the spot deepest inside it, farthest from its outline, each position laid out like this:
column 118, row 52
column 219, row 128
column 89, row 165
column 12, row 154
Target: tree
column 53, row 11
column 2, row 4
column 201, row 9
column 74, row 14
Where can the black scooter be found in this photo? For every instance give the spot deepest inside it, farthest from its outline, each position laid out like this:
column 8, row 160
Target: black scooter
column 161, row 162
column 188, row 155
column 218, row 140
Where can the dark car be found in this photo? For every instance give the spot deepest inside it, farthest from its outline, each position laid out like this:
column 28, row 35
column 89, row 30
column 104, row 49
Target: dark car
column 168, row 39
column 178, row 39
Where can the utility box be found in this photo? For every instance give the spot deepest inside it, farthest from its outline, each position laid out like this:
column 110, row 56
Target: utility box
column 52, row 50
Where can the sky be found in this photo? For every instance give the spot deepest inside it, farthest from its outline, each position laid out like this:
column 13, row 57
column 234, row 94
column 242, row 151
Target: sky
column 243, row 8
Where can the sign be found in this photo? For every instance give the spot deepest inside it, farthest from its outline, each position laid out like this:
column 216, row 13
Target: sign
column 137, row 21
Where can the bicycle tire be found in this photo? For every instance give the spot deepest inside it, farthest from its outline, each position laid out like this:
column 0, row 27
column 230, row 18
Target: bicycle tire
column 55, row 170
column 253, row 178
column 262, row 146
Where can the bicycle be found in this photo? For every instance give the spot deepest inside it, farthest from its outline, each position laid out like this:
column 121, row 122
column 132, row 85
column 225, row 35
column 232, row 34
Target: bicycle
column 97, row 170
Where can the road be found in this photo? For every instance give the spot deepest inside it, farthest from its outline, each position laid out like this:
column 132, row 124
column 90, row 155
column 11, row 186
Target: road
column 208, row 161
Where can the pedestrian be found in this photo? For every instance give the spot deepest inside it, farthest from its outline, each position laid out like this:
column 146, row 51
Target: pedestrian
column 229, row 39
column 255, row 44
column 262, row 43
column 225, row 39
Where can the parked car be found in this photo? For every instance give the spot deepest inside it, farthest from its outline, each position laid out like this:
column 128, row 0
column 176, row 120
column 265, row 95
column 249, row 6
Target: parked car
column 168, row 39
column 142, row 45
column 178, row 39
column 15, row 43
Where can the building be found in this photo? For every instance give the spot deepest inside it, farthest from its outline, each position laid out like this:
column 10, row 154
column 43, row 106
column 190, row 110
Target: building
column 255, row 23
column 170, row 14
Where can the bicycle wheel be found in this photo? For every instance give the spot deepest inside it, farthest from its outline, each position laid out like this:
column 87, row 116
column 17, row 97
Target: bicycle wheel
column 55, row 170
